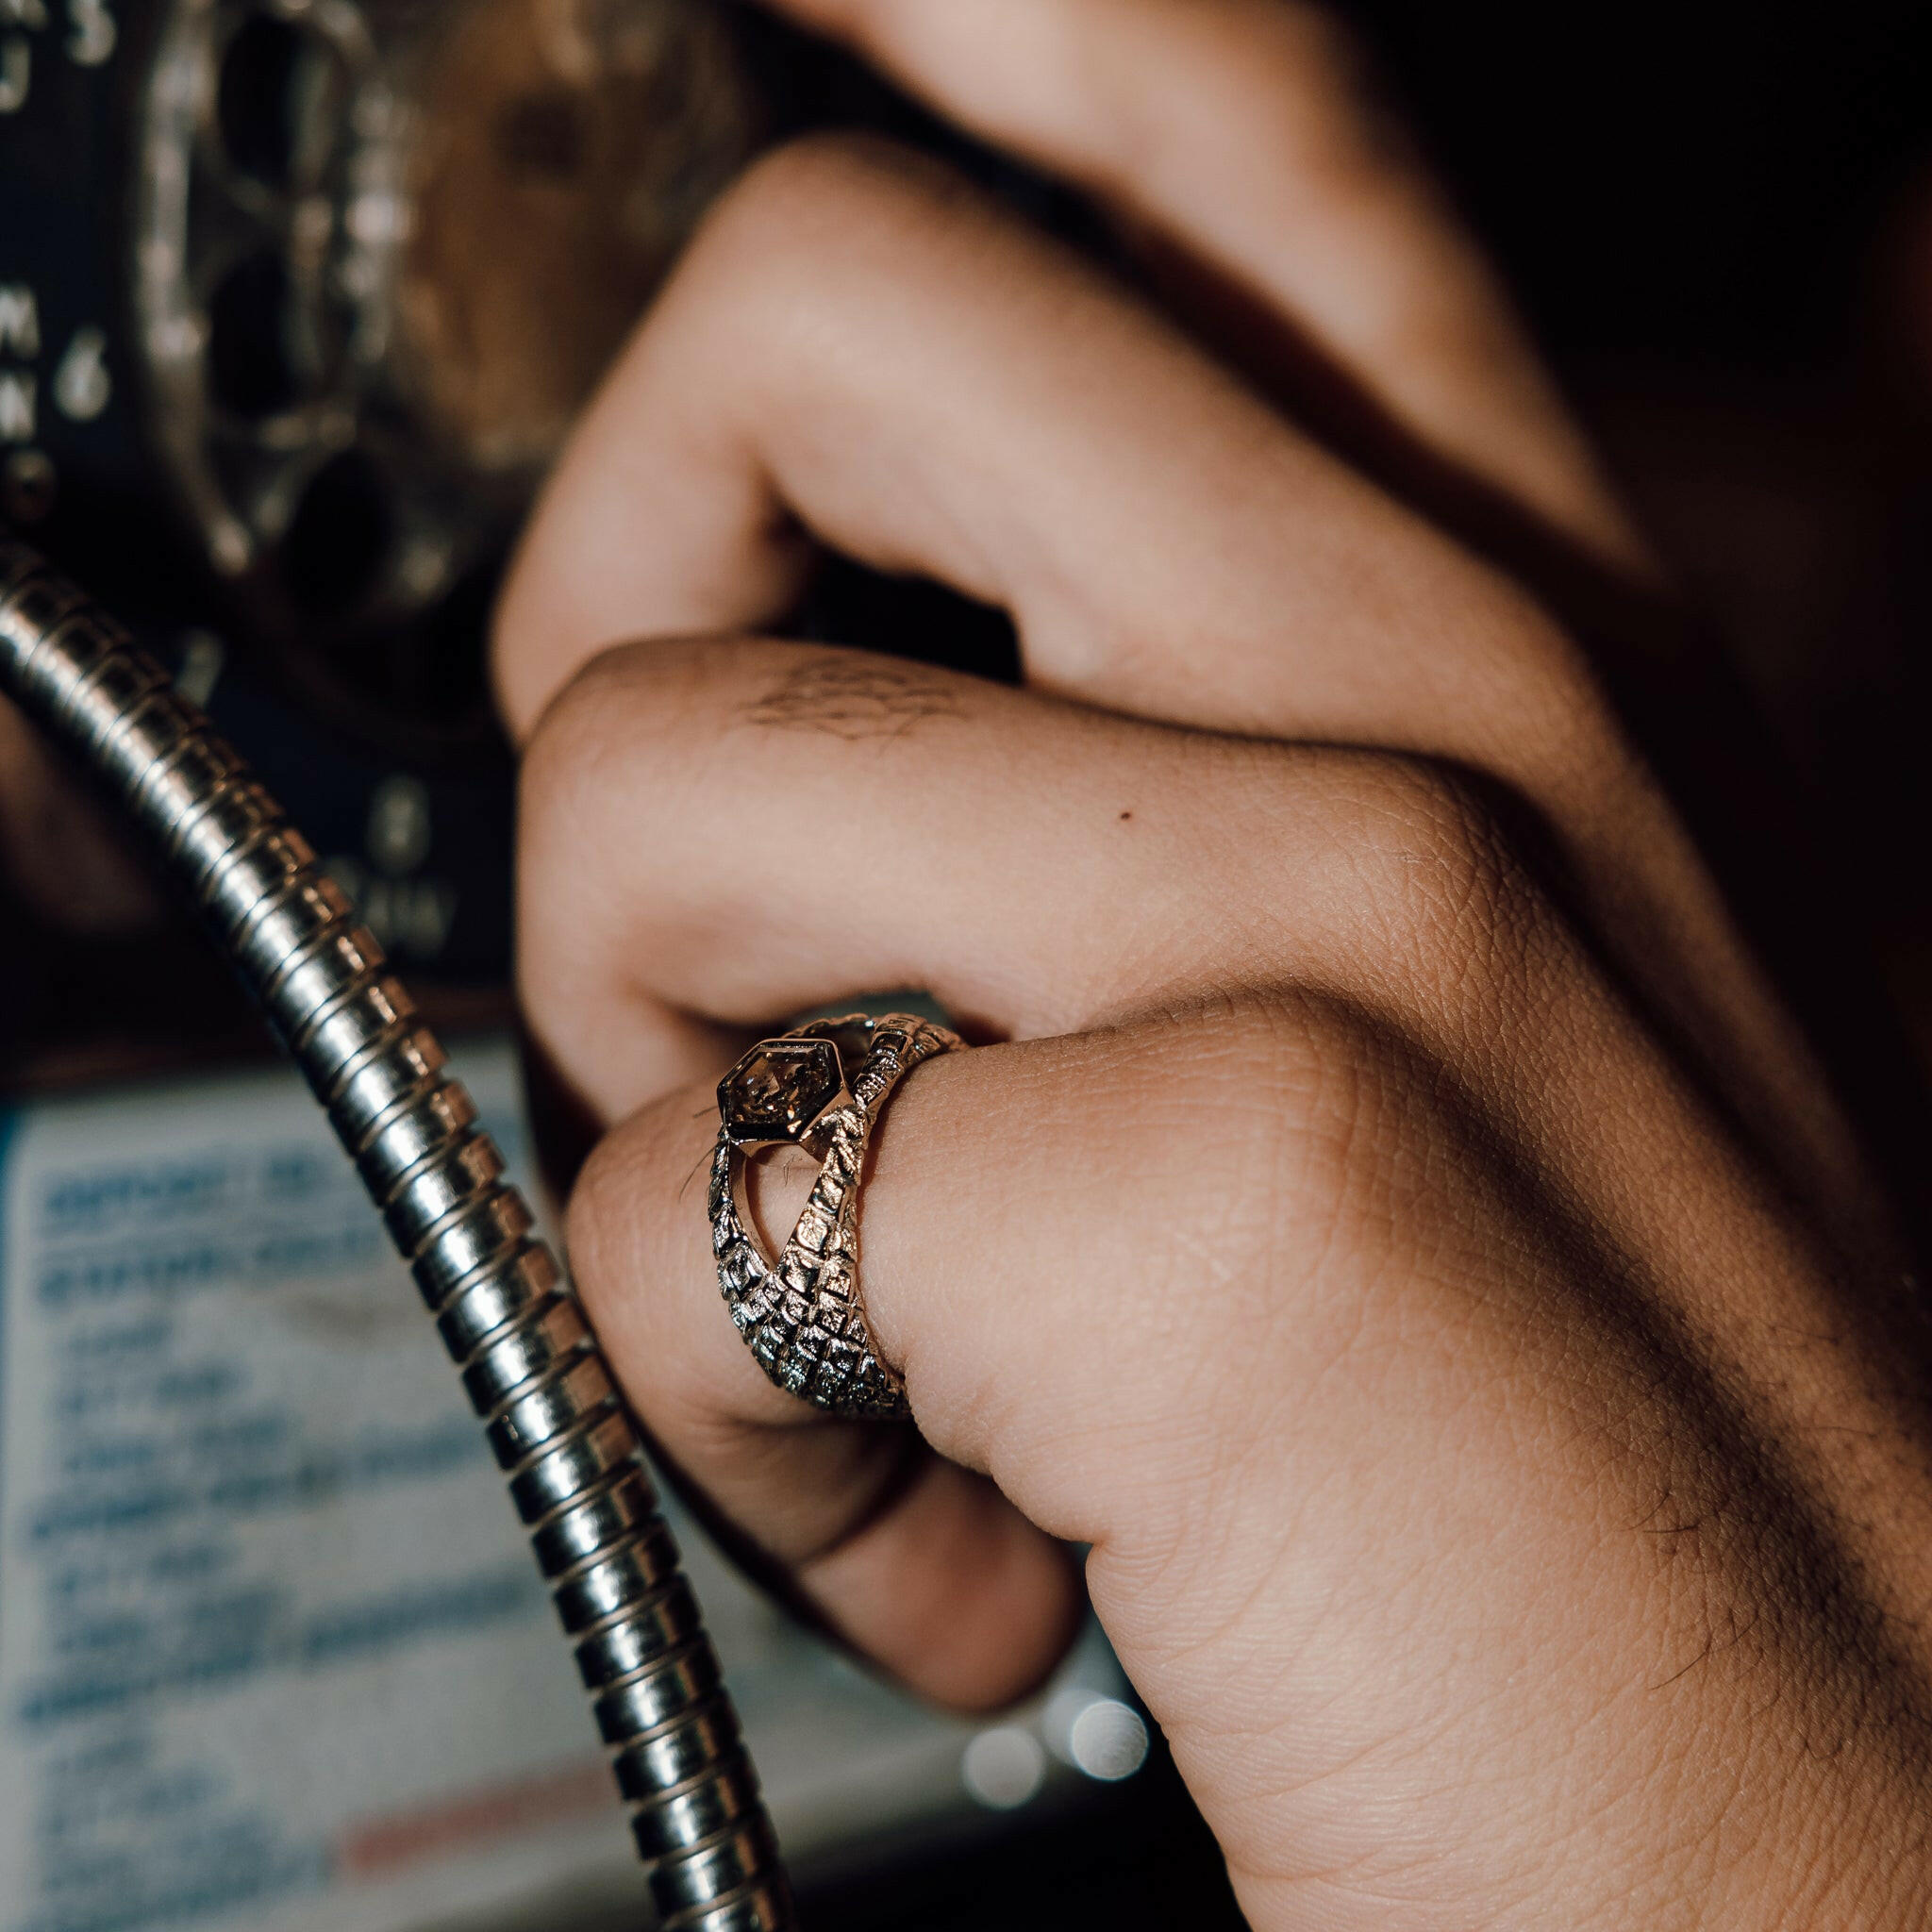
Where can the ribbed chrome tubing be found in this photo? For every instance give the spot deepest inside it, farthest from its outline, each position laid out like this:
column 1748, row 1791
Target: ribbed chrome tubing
column 532, row 1368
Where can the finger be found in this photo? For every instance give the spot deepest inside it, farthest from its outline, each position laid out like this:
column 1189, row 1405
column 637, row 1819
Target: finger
column 1038, row 866
column 950, row 1585
column 921, row 1564
column 1111, row 865
column 862, row 346
column 1244, row 137
column 1114, row 868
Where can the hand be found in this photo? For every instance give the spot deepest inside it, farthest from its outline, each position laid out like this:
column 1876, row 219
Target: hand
column 1395, row 1226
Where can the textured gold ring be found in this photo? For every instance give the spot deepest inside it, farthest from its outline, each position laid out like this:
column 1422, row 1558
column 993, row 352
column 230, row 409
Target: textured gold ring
column 823, row 1087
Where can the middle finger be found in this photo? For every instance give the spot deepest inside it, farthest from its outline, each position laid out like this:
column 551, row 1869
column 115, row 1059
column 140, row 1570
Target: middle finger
column 713, row 834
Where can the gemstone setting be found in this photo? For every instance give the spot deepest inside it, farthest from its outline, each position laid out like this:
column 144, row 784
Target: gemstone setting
column 780, row 1091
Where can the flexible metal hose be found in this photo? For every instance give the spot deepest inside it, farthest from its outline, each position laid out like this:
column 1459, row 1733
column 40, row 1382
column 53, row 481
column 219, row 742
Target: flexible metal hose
column 533, row 1370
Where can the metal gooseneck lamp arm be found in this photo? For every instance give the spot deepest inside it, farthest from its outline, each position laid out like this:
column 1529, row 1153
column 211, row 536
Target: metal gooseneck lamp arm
column 532, row 1367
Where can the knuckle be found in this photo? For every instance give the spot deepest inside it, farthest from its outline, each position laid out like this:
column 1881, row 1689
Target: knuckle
column 572, row 742
column 577, row 792
column 1446, row 882
column 674, row 705
column 1275, row 1090
column 1322, row 1062
column 632, row 705
column 573, row 725
column 630, row 757
column 1336, row 1220
column 829, row 165
column 823, row 198
column 1303, row 1119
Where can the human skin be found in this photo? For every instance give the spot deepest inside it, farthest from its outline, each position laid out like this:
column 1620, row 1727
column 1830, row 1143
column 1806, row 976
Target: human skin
column 1390, row 1220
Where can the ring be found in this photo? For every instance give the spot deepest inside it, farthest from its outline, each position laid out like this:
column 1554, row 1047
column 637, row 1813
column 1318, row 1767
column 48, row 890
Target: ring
column 823, row 1087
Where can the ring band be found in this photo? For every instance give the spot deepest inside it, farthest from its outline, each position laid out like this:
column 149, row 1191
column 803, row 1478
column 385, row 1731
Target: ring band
column 822, row 1087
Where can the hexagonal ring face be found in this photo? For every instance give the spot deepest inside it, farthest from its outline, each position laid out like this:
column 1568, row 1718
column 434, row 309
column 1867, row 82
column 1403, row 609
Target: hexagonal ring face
column 780, row 1090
